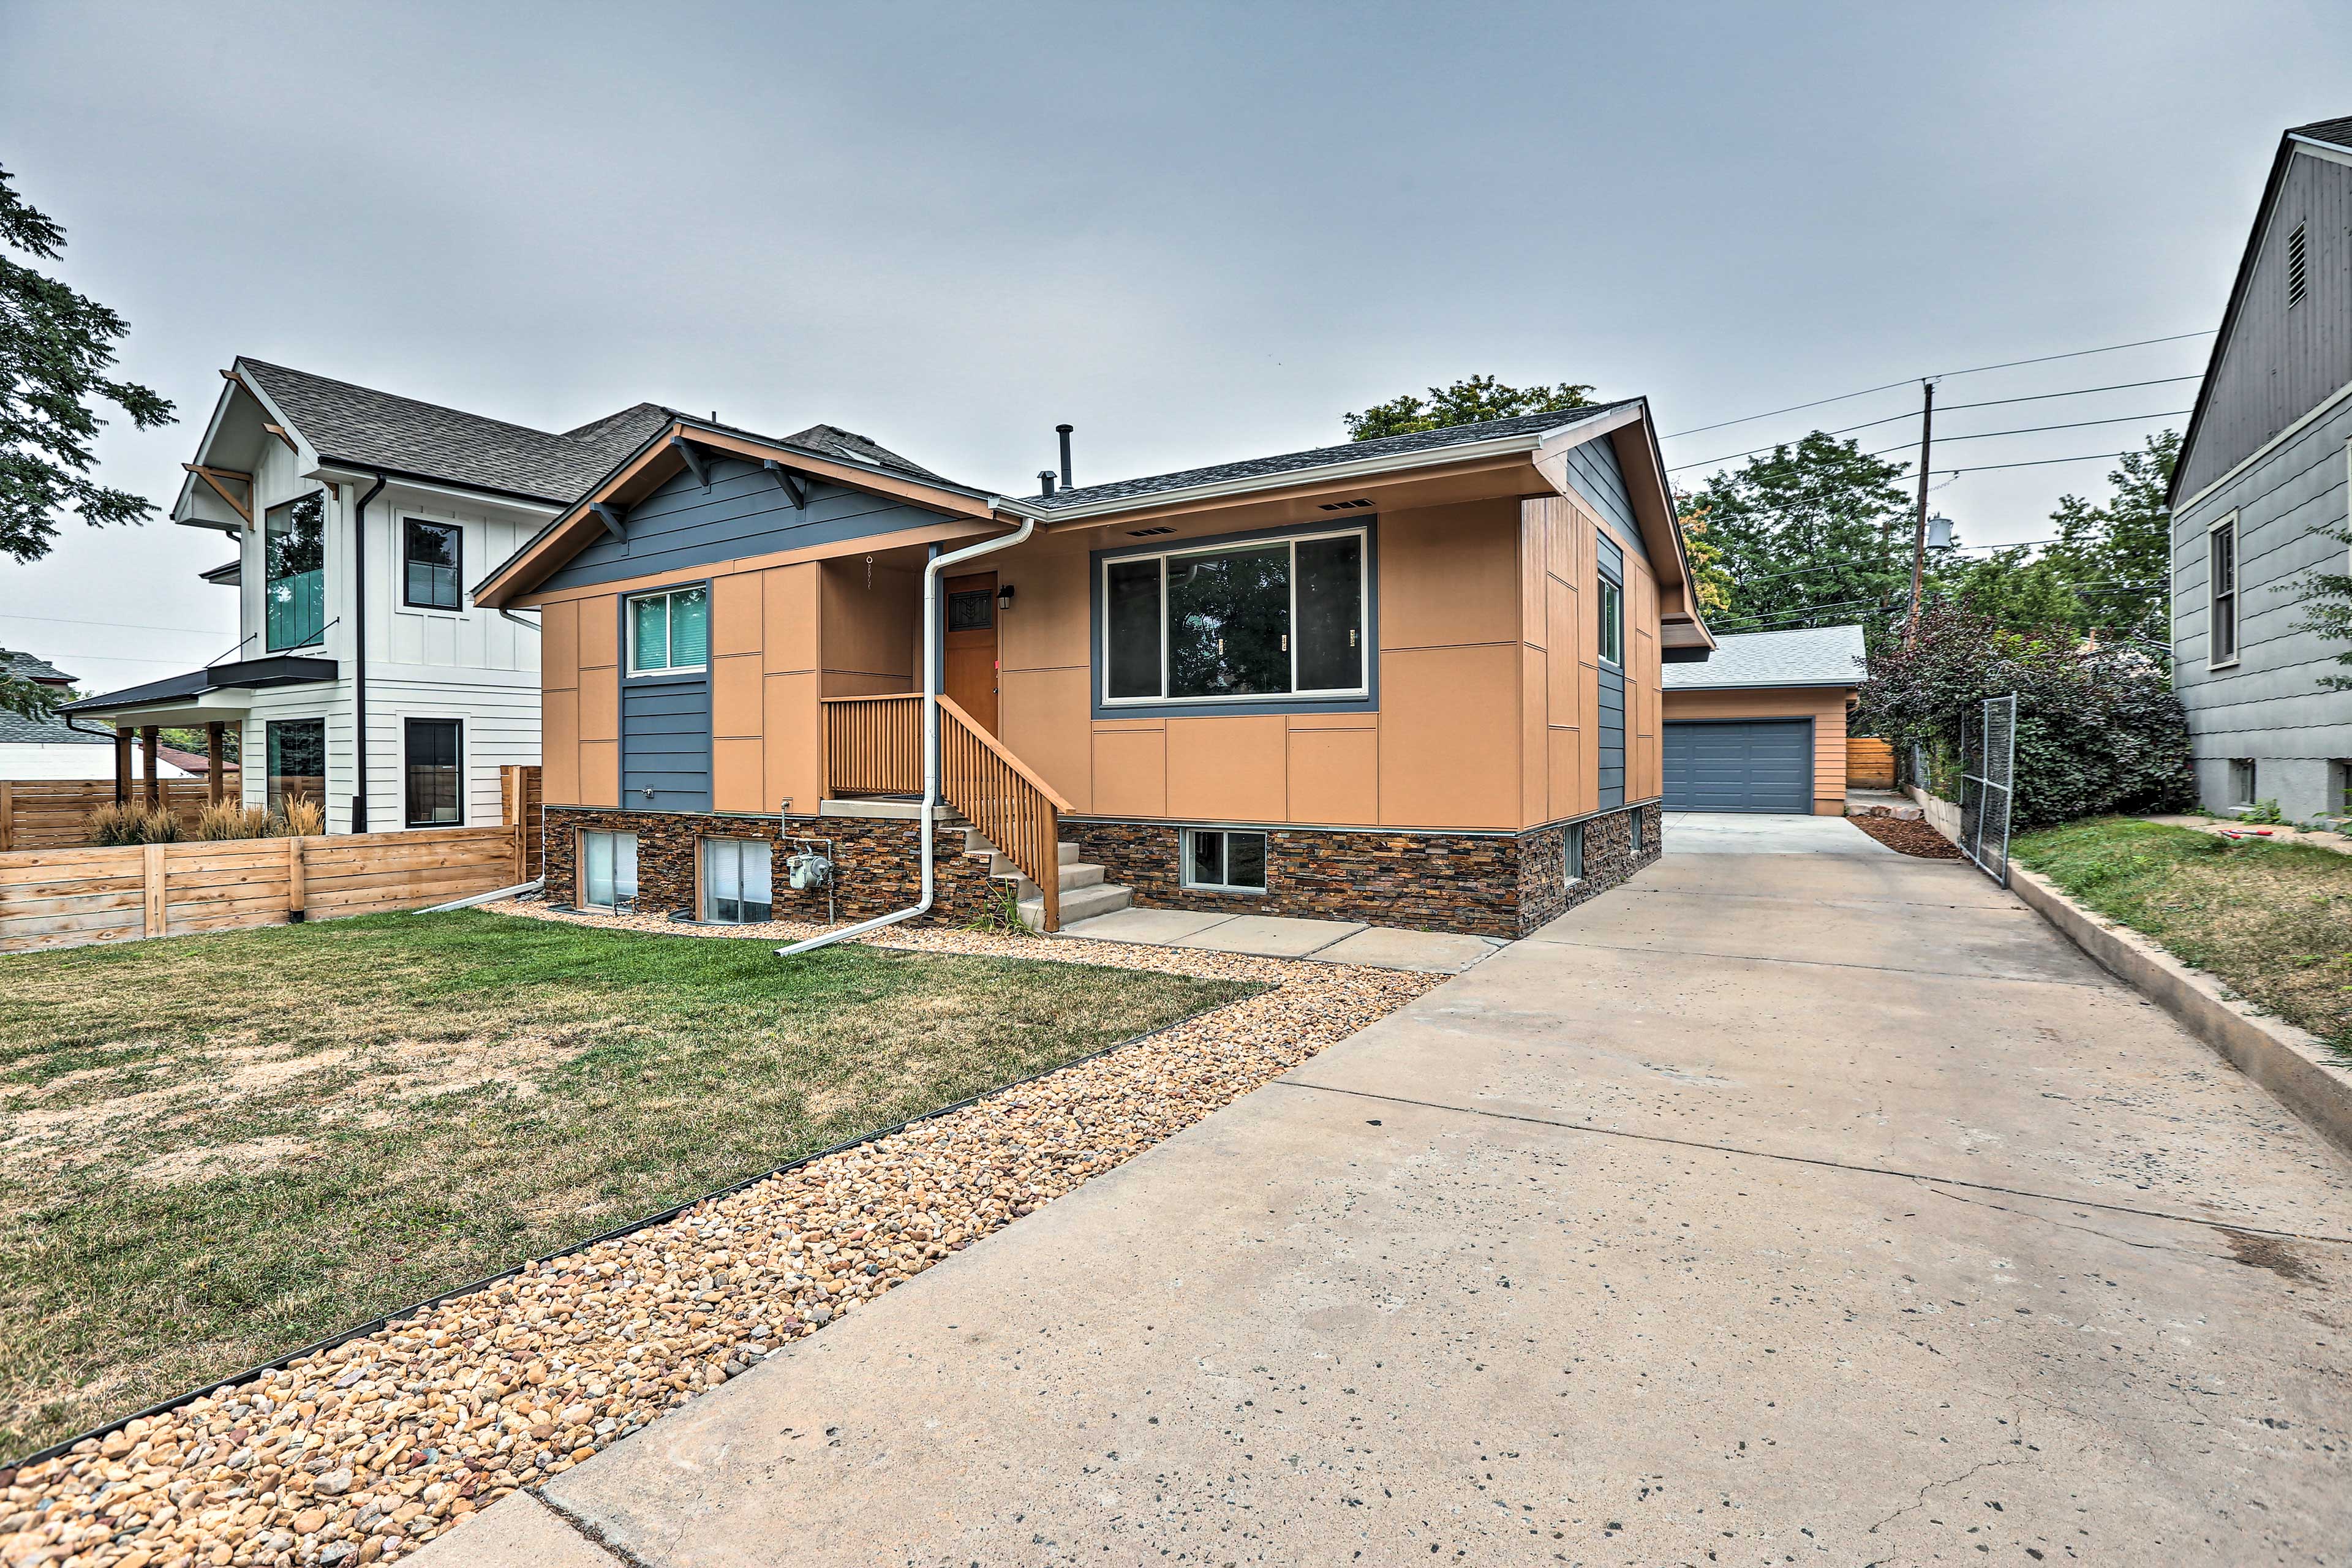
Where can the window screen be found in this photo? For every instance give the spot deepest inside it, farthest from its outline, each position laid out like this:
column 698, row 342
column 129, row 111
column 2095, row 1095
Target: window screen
column 436, row 775
column 670, row 631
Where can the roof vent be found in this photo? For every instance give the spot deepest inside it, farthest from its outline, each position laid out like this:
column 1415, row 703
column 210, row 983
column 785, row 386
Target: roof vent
column 1344, row 505
column 2297, row 278
column 1147, row 533
column 1046, row 479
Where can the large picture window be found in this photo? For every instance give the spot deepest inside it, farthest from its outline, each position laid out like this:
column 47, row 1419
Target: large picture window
column 430, row 557
column 436, row 774
column 298, row 762
column 1280, row 617
column 669, row 633
column 294, row 567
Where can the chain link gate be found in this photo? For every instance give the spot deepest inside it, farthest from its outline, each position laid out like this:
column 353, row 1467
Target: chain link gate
column 1988, row 766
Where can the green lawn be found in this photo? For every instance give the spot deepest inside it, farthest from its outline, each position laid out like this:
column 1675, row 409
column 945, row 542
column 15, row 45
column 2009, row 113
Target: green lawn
column 2272, row 920
column 214, row 1148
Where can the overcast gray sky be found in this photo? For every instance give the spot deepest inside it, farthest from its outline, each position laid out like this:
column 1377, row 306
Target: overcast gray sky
column 1198, row 232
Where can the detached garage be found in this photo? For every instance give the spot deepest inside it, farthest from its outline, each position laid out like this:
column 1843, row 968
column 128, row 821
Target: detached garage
column 1761, row 725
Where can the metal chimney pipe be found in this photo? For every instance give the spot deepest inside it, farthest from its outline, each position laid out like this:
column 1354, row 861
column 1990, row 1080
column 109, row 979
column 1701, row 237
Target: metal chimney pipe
column 1063, row 432
column 1046, row 480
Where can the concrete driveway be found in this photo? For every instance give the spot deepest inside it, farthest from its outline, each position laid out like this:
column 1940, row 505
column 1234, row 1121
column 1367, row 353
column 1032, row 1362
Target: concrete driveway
column 1762, row 833
column 1777, row 1207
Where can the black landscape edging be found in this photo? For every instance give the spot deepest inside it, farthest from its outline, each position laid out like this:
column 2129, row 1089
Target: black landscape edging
column 60, row 1449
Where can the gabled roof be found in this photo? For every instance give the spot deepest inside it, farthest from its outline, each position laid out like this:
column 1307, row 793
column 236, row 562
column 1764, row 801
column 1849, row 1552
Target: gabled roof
column 361, row 426
column 857, row 449
column 1812, row 656
column 1347, row 453
column 24, row 666
column 2336, row 133
column 16, row 730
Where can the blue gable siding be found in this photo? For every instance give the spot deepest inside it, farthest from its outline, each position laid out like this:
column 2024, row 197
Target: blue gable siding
column 1593, row 473
column 743, row 512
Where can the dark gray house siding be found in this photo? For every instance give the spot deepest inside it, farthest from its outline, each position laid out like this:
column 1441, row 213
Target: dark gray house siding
column 1593, row 472
column 744, row 511
column 1612, row 695
column 2278, row 364
column 2278, row 411
column 666, row 743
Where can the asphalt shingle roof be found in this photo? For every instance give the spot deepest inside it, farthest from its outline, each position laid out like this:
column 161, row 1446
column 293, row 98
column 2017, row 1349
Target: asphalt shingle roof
column 27, row 666
column 859, row 449
column 1326, row 457
column 1812, row 656
column 360, row 424
column 2338, row 131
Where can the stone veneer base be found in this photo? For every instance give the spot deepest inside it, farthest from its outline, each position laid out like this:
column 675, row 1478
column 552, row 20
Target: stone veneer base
column 878, row 861
column 1498, row 885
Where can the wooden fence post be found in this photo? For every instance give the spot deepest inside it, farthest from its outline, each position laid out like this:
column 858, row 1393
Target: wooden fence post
column 8, row 813
column 294, row 881
column 152, row 869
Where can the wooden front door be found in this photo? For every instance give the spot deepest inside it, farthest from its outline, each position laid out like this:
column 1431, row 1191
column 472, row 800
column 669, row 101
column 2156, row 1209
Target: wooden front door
column 970, row 612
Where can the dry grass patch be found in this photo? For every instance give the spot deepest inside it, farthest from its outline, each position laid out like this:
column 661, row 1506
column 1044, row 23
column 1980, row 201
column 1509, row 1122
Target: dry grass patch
column 2273, row 922
column 214, row 1149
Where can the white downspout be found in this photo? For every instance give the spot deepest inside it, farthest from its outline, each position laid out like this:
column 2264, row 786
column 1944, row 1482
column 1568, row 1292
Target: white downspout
column 931, row 570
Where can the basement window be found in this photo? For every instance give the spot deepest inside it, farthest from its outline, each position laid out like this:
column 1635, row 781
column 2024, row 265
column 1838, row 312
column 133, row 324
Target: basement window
column 738, row 880
column 2242, row 781
column 608, row 871
column 1574, row 857
column 1221, row 860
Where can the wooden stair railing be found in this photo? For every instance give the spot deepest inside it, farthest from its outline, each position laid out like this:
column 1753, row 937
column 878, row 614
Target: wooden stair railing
column 1013, row 808
column 874, row 745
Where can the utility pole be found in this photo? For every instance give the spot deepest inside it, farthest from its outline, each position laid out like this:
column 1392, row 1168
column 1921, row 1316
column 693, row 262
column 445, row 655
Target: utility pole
column 1919, row 524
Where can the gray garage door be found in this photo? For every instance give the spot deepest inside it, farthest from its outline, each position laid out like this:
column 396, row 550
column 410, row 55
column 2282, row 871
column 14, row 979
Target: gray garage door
column 1754, row 764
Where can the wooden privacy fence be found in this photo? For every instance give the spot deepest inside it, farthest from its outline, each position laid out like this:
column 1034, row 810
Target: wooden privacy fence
column 54, row 814
column 66, row 898
column 1869, row 764
column 519, row 801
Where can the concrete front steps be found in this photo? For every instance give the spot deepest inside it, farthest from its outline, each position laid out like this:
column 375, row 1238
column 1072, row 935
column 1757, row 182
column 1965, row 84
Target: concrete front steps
column 1084, row 894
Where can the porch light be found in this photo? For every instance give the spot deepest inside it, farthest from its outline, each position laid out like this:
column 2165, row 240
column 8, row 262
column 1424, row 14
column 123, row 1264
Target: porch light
column 1004, row 598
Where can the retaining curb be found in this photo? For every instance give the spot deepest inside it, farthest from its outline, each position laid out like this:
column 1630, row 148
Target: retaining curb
column 2296, row 1066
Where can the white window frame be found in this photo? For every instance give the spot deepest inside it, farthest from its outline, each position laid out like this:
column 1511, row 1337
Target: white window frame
column 581, row 867
column 2252, row 790
column 1184, row 860
column 1363, row 611
column 629, row 627
column 1610, row 596
column 704, row 852
column 2213, row 594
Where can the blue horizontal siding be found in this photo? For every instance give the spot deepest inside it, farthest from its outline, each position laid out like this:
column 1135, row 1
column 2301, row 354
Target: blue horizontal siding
column 1593, row 473
column 1611, row 736
column 743, row 512
column 666, row 743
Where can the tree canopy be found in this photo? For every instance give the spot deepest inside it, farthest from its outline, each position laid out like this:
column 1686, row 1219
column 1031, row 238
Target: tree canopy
column 56, row 347
column 1468, row 402
column 1814, row 533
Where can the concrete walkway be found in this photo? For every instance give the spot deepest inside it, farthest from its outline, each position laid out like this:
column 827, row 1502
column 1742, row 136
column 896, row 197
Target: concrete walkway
column 1777, row 1208
column 1282, row 936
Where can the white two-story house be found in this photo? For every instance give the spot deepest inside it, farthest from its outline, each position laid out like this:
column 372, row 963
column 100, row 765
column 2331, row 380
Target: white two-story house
column 365, row 677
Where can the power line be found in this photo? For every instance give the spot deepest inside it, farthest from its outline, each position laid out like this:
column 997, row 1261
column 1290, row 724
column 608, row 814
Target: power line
column 2033, row 430
column 1948, row 408
column 1908, row 380
column 112, row 626
column 2040, row 463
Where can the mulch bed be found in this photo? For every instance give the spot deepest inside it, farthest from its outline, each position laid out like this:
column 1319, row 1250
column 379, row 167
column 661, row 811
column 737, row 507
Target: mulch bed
column 1908, row 837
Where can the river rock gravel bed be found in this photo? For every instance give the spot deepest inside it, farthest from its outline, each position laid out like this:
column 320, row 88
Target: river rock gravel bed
column 360, row 1454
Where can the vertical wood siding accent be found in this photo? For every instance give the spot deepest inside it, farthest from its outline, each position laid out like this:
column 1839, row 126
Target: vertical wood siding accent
column 2279, row 363
column 743, row 512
